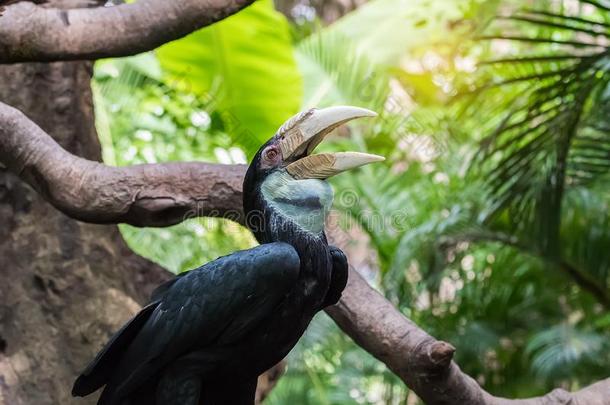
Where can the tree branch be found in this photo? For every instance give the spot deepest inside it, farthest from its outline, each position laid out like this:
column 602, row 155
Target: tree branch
column 424, row 363
column 163, row 194
column 141, row 195
column 268, row 381
column 31, row 33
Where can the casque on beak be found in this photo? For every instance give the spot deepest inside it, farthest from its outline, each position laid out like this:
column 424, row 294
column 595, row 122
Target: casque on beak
column 300, row 135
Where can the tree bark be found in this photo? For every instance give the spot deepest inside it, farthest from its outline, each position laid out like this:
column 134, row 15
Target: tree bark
column 32, row 33
column 69, row 285
column 29, row 32
column 141, row 195
column 66, row 284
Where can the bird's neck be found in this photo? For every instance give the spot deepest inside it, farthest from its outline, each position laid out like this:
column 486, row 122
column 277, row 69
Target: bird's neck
column 305, row 203
column 283, row 209
column 283, row 229
column 269, row 225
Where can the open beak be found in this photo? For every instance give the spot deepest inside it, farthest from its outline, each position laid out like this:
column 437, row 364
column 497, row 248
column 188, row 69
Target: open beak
column 300, row 135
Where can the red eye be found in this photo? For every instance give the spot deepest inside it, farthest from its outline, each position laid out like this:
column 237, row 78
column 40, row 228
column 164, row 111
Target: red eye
column 271, row 154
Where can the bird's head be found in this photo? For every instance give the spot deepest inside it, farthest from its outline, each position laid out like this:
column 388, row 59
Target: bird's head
column 285, row 188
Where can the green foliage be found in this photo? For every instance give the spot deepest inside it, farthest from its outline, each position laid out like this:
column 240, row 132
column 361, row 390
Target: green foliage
column 331, row 81
column 550, row 138
column 557, row 351
column 247, row 63
column 387, row 30
column 468, row 270
column 141, row 119
column 488, row 224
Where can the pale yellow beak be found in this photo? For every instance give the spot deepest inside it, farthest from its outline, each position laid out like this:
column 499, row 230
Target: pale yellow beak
column 300, row 135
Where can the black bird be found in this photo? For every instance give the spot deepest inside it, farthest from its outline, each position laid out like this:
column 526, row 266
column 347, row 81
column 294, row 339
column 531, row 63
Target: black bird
column 209, row 333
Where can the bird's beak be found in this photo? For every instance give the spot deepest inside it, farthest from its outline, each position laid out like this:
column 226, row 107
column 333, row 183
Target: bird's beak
column 300, row 135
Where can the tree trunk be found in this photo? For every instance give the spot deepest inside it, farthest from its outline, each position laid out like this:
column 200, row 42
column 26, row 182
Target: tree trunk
column 66, row 285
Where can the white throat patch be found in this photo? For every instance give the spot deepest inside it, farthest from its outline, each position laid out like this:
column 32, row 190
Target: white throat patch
column 306, row 202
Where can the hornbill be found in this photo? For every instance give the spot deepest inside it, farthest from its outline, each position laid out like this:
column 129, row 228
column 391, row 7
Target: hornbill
column 209, row 333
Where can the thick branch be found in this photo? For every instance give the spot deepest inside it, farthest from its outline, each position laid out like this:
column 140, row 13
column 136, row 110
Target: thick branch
column 424, row 363
column 31, row 33
column 141, row 195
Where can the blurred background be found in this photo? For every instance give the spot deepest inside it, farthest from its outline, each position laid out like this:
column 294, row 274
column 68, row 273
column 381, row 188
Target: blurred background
column 487, row 225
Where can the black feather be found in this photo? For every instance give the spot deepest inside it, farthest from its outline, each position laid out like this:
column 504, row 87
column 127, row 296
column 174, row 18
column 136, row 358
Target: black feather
column 215, row 305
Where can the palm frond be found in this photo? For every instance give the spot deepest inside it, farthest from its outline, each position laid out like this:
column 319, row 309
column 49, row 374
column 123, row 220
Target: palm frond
column 540, row 40
column 571, row 18
column 557, row 351
column 531, row 59
column 586, row 223
column 547, row 142
column 589, row 157
column 593, row 29
column 329, row 79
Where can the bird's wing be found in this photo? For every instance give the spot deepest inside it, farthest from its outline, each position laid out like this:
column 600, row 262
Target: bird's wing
column 233, row 292
column 338, row 278
column 160, row 291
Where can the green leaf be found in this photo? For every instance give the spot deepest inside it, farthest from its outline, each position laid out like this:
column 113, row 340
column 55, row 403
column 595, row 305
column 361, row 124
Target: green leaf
column 249, row 59
column 544, row 144
column 330, row 81
column 557, row 350
column 558, row 26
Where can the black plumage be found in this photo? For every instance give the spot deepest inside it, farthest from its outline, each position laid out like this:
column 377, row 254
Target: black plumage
column 194, row 325
column 209, row 333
